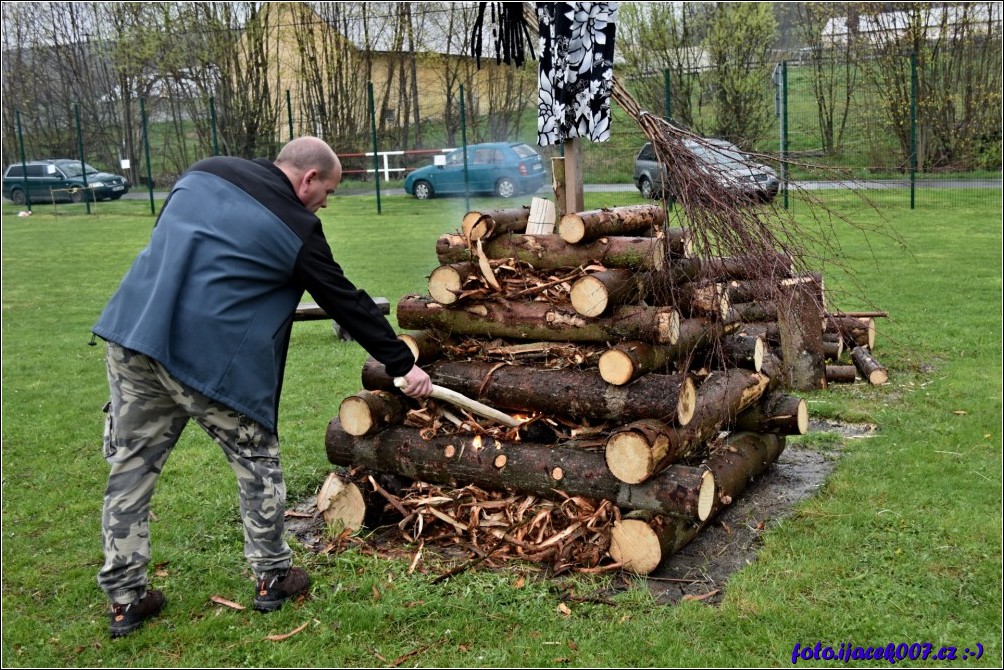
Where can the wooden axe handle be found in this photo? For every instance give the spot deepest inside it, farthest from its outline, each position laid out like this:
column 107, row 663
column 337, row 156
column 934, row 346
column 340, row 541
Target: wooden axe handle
column 473, row 406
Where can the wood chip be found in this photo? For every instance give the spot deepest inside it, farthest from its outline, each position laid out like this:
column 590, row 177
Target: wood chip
column 286, row 636
column 219, row 600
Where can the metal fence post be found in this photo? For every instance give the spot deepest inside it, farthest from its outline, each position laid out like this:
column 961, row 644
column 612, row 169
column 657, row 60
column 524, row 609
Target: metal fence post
column 913, row 127
column 784, row 130
column 80, row 150
column 463, row 138
column 24, row 166
column 212, row 124
column 146, row 151
column 376, row 155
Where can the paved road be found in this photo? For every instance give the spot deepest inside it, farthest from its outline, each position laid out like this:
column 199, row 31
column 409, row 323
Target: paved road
column 353, row 189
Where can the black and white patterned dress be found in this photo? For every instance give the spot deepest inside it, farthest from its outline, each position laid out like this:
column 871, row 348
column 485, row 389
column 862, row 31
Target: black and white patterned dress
column 575, row 76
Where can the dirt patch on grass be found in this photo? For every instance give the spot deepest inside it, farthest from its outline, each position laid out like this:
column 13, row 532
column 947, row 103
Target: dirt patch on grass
column 702, row 568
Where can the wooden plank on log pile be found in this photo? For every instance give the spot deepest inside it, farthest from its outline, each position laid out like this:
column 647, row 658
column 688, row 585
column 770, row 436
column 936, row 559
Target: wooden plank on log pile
column 529, row 468
column 550, row 252
column 578, row 227
column 577, row 394
column 539, row 321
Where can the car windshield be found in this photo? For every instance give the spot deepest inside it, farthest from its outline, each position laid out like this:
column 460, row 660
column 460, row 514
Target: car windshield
column 524, row 151
column 724, row 156
column 72, row 168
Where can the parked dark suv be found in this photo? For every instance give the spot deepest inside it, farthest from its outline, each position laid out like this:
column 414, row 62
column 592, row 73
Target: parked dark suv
column 719, row 160
column 60, row 179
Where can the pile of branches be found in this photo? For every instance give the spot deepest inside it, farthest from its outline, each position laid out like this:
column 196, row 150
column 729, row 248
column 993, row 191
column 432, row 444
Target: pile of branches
column 570, row 535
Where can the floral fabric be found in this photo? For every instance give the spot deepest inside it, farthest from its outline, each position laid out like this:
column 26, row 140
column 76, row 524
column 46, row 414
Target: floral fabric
column 575, row 75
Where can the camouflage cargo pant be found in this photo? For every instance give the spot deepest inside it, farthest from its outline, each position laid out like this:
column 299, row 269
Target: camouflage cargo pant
column 145, row 417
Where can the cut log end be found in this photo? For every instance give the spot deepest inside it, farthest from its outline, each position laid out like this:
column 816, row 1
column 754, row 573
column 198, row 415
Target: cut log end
column 878, row 377
column 616, row 367
column 356, row 416
column 467, row 224
column 501, row 460
column 589, row 296
column 445, row 284
column 412, row 343
column 706, row 497
column 571, row 228
column 636, row 546
column 759, row 349
column 629, row 457
column 341, row 504
column 803, row 417
column 687, row 403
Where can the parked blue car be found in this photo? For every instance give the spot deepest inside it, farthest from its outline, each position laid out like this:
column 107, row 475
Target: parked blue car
column 505, row 169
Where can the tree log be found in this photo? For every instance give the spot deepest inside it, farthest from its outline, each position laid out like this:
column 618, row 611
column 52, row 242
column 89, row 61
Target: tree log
column 477, row 225
column 540, row 321
column 683, row 491
column 341, row 503
column 558, row 185
column 370, row 412
column 425, row 346
column 743, row 350
column 743, row 457
column 833, row 350
column 550, row 252
column 576, row 394
column 595, row 293
column 869, row 368
column 641, row 541
column 446, row 282
column 798, row 320
column 841, row 374
column 727, row 268
column 777, row 413
column 855, row 332
column 577, row 227
column 720, row 398
column 630, row 360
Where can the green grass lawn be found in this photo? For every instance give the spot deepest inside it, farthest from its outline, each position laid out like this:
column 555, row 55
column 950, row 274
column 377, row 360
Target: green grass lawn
column 901, row 544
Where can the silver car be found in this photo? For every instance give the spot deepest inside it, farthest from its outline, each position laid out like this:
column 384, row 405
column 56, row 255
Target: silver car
column 721, row 160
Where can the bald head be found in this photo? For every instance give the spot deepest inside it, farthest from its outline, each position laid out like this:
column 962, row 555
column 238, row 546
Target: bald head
column 313, row 168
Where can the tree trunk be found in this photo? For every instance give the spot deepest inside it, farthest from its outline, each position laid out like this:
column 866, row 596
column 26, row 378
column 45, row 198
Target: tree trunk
column 595, row 293
column 869, row 368
column 777, row 413
column 477, row 225
column 529, row 468
column 841, row 374
column 569, row 393
column 540, row 321
column 727, row 268
column 833, row 350
column 558, row 185
column 720, row 398
column 855, row 332
column 578, row 227
column 642, row 541
column 425, row 345
column 627, row 361
column 798, row 320
column 744, row 456
column 550, row 252
column 743, row 350
column 370, row 412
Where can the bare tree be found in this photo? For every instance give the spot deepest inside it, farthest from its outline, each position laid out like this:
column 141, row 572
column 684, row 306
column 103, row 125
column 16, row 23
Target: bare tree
column 834, row 73
column 738, row 40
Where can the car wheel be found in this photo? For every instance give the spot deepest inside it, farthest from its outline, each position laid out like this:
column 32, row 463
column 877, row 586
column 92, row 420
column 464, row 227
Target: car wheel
column 17, row 196
column 116, row 196
column 645, row 186
column 77, row 195
column 422, row 190
column 505, row 188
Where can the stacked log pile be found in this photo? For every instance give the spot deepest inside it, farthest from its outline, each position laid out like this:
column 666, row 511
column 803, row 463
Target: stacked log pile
column 648, row 388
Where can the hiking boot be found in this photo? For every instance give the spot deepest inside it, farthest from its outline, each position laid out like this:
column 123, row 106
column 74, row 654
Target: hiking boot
column 124, row 619
column 273, row 591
